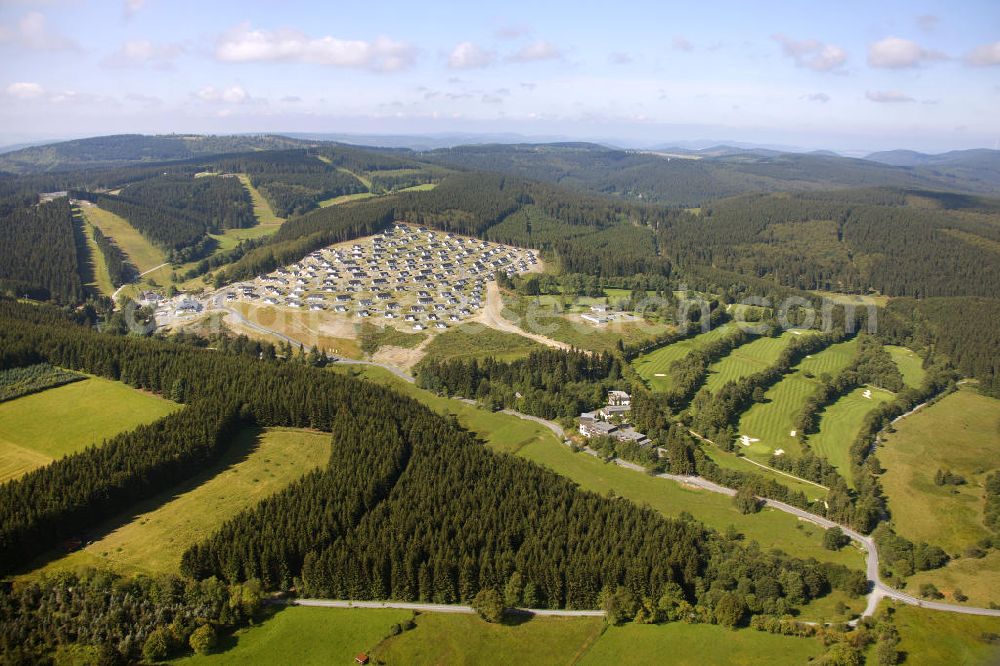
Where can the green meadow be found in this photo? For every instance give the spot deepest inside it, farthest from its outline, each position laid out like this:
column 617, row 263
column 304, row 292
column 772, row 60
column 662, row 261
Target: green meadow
column 304, row 636
column 151, row 537
column 960, row 433
column 39, row 428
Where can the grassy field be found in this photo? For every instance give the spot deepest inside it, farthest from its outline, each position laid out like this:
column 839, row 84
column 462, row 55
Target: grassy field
column 141, row 253
column 152, row 536
column 39, row 428
column 425, row 187
column 910, row 365
column 470, row 341
column 344, row 198
column 933, row 638
column 365, row 180
column 465, row 639
column 261, row 208
column 840, row 423
column 502, row 432
column 697, row 644
column 747, row 359
column 98, row 267
column 978, row 579
column 771, row 528
column 654, row 367
column 302, row 636
column 961, row 432
column 772, row 421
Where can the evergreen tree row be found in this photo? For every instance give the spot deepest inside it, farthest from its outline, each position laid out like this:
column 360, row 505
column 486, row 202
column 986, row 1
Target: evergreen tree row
column 119, row 269
column 38, row 251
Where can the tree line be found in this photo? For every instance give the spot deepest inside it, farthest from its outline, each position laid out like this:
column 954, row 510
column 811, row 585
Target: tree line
column 120, row 270
column 39, row 251
column 410, row 506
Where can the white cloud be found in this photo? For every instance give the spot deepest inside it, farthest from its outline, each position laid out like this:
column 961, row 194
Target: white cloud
column 25, row 90
column 984, row 56
column 141, row 52
column 619, row 58
column 242, row 44
column 680, row 43
column 469, row 56
column 812, row 53
column 898, row 53
column 536, row 51
column 888, row 97
column 33, row 32
column 231, row 95
column 817, row 97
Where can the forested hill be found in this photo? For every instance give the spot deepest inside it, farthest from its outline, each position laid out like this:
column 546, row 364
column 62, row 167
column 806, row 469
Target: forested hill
column 691, row 180
column 124, row 149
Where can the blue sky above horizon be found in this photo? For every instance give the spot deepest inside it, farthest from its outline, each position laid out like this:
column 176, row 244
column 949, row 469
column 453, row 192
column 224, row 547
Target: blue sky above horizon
column 846, row 76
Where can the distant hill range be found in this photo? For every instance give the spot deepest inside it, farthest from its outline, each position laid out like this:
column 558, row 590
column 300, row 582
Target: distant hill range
column 128, row 149
column 675, row 175
column 689, row 177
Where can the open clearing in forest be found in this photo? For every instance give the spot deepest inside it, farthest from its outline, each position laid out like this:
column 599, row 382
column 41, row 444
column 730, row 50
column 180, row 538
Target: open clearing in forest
column 98, row 266
column 261, row 208
column 39, row 428
column 140, row 252
column 910, row 365
column 152, row 535
column 961, row 433
column 654, row 367
column 532, row 441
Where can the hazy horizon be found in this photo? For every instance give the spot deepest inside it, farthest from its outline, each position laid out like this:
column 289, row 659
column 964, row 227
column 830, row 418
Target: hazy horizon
column 851, row 78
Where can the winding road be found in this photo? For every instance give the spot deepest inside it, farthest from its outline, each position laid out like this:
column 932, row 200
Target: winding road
column 879, row 590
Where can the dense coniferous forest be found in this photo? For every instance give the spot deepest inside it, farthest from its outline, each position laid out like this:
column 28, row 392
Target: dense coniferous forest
column 395, row 465
column 38, row 251
column 548, row 383
column 218, row 203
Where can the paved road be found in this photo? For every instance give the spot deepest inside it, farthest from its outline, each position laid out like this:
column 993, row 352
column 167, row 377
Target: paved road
column 879, row 590
column 436, row 608
column 114, row 296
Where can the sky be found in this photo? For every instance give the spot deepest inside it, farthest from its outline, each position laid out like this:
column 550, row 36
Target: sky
column 849, row 76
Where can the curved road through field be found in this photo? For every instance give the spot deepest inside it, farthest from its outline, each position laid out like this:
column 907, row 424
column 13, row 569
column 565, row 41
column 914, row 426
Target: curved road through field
column 879, row 590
